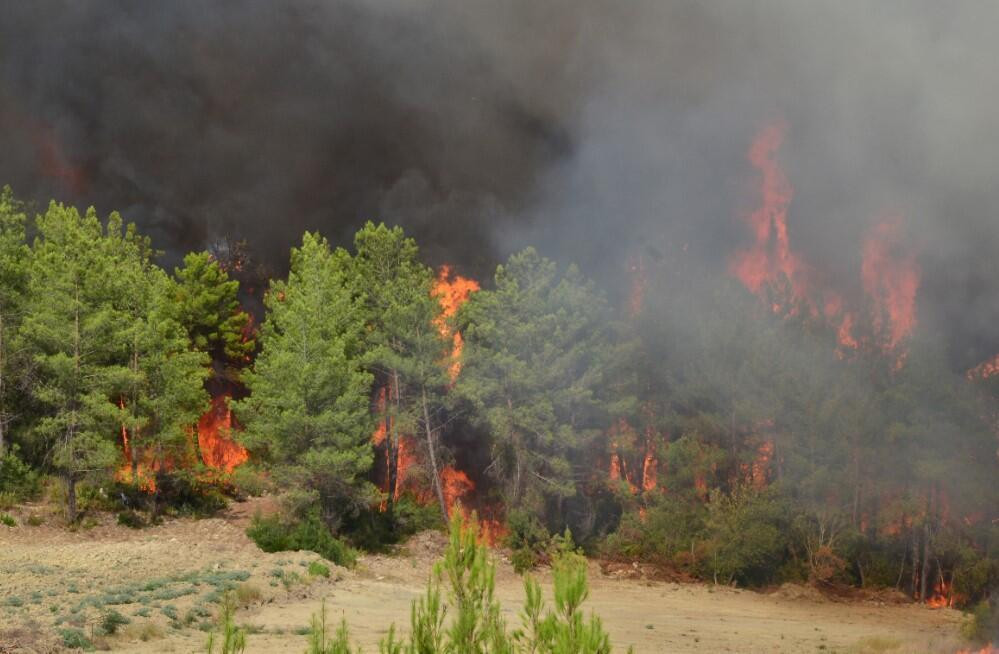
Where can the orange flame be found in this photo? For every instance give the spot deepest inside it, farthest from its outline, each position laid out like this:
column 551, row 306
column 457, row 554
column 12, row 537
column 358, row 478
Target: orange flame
column 218, row 449
column 769, row 257
column 985, row 369
column 144, row 471
column 457, row 487
column 889, row 272
column 452, row 291
column 988, row 649
column 891, row 279
column 943, row 596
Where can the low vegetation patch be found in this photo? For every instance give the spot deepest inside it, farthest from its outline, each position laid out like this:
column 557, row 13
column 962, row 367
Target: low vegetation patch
column 274, row 534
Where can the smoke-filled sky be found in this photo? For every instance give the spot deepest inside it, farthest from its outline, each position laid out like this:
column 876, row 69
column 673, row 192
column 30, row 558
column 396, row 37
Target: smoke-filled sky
column 594, row 130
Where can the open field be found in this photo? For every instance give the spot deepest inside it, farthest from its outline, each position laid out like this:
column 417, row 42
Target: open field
column 164, row 580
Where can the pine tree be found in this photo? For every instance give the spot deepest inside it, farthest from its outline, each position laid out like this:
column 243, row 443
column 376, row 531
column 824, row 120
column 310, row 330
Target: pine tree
column 535, row 348
column 405, row 349
column 207, row 306
column 13, row 285
column 308, row 407
column 75, row 335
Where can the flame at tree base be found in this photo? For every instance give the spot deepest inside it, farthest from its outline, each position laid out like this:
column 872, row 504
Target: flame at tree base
column 218, row 449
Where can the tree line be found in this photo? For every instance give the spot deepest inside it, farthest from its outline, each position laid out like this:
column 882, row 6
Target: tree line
column 699, row 430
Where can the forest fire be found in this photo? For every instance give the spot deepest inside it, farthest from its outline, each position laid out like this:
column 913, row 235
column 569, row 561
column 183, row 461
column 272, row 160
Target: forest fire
column 218, row 449
column 452, row 291
column 890, row 273
column 985, row 369
column 891, row 278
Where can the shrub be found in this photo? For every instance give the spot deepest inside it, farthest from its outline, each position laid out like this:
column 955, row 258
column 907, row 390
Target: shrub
column 317, row 569
column 17, row 480
column 75, row 639
column 272, row 534
column 131, row 519
column 182, row 490
column 373, row 529
column 111, row 621
column 248, row 480
column 7, row 519
column 983, row 623
column 34, row 520
column 528, row 539
column 745, row 536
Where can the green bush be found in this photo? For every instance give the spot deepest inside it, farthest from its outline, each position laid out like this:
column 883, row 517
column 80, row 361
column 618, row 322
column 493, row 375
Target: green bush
column 669, row 532
column 317, row 569
column 249, row 481
column 373, row 529
column 528, row 539
column 273, row 534
column 131, row 519
column 7, row 519
column 111, row 621
column 17, row 478
column 746, row 536
column 983, row 623
column 184, row 492
column 75, row 639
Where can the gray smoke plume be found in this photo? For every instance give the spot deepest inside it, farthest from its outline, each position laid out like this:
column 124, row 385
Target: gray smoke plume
column 595, row 130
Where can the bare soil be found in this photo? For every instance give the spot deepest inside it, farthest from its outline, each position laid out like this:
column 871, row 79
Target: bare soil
column 165, row 579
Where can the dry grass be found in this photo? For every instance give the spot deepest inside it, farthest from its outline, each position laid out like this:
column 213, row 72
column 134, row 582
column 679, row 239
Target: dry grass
column 144, row 631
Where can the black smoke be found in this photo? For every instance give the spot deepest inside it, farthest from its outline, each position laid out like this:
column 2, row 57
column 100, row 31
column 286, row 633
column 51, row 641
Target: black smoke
column 592, row 129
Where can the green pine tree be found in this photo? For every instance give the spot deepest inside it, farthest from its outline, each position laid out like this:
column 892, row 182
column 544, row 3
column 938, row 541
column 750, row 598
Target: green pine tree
column 207, row 305
column 405, row 349
column 308, row 407
column 13, row 286
column 533, row 361
column 75, row 335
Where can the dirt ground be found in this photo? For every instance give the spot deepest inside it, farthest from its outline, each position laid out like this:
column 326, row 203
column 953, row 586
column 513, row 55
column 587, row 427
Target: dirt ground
column 165, row 580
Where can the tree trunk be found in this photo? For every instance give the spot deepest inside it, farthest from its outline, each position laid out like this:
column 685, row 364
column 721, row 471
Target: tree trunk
column 71, row 499
column 433, row 456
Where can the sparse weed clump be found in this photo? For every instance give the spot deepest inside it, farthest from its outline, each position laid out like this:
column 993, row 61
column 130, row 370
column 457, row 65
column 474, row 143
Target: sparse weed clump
column 8, row 520
column 76, row 639
column 247, row 594
column 230, row 639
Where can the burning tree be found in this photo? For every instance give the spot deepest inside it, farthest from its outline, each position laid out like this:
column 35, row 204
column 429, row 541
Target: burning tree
column 406, row 350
